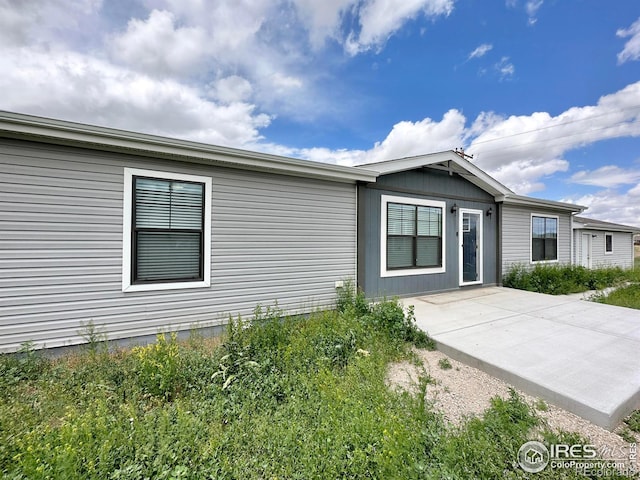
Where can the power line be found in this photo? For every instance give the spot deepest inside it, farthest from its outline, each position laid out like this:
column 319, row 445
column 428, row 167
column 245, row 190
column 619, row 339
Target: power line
column 550, row 141
column 558, row 125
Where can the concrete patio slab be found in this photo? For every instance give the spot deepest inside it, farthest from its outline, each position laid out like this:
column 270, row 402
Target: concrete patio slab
column 579, row 355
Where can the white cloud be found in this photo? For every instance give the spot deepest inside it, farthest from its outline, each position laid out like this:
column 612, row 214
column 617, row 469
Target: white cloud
column 521, row 150
column 416, row 138
column 631, row 50
column 480, row 51
column 272, row 45
column 404, row 140
column 608, row 176
column 231, row 89
column 532, row 7
column 505, row 68
column 42, row 21
column 379, row 19
column 610, row 206
column 323, row 19
column 82, row 88
column 157, row 46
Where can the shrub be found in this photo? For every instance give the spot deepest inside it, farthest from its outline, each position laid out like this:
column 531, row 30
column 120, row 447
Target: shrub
column 26, row 364
column 562, row 279
column 389, row 316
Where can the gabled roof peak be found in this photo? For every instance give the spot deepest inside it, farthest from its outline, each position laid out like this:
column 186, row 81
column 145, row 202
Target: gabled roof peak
column 447, row 160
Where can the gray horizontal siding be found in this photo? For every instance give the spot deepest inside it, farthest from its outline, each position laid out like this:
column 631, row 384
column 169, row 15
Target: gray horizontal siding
column 274, row 239
column 516, row 235
column 622, row 255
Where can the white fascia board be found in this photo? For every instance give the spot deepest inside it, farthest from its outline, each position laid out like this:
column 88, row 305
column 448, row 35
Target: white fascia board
column 41, row 129
column 604, row 228
column 538, row 202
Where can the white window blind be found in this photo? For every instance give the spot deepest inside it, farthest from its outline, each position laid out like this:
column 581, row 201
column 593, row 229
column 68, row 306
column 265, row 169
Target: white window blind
column 168, row 230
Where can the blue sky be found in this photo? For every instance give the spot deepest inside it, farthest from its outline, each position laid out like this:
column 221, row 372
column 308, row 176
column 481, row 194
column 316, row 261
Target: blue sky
column 545, row 94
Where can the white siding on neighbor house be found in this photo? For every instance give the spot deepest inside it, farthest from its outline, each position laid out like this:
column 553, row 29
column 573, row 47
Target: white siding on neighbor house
column 621, row 256
column 516, row 235
column 274, row 238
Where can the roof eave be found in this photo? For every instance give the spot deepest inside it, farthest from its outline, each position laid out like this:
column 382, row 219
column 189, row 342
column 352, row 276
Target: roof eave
column 587, row 226
column 580, row 224
column 61, row 132
column 538, row 202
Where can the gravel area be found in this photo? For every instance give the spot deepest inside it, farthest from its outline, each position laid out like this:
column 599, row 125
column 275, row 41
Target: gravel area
column 463, row 391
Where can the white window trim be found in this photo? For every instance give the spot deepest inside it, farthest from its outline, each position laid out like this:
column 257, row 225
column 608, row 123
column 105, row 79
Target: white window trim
column 545, row 215
column 129, row 173
column 384, row 200
column 480, row 254
column 605, row 243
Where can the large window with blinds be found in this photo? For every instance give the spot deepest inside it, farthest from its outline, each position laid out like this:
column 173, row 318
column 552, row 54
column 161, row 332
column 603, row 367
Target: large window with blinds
column 544, row 238
column 168, row 231
column 413, row 239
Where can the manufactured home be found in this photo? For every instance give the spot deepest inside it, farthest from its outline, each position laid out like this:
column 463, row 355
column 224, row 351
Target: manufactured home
column 138, row 233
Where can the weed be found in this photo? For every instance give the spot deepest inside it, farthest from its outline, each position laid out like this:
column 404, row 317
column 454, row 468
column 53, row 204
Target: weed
column 307, row 398
column 158, row 366
column 350, row 299
column 486, row 447
column 633, row 421
column 627, row 435
column 541, row 405
column 96, row 339
column 445, row 364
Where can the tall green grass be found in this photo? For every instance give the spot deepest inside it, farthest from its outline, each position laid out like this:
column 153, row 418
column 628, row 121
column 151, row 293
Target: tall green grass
column 628, row 296
column 279, row 397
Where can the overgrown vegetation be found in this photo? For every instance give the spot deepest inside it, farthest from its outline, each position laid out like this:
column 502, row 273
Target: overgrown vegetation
column 279, row 397
column 564, row 279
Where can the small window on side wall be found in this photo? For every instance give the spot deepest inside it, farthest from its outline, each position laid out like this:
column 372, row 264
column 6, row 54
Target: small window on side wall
column 166, row 231
column 608, row 243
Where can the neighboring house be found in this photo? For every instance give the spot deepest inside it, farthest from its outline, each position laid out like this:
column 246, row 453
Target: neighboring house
column 602, row 244
column 138, row 233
